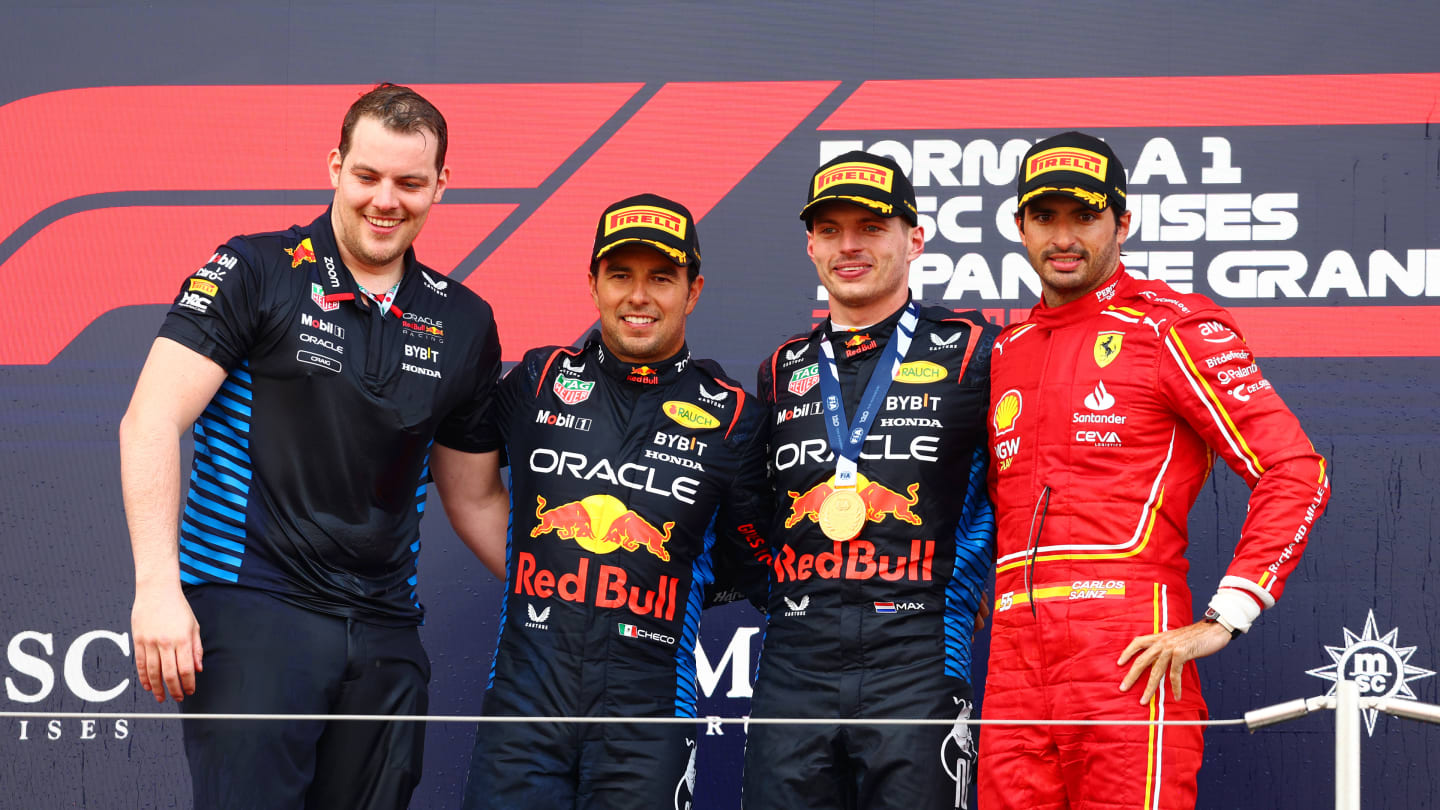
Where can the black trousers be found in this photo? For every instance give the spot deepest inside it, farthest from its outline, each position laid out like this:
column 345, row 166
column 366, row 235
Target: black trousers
column 263, row 655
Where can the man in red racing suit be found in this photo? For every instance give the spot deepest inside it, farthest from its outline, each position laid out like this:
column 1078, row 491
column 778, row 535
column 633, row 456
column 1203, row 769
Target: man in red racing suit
column 1108, row 407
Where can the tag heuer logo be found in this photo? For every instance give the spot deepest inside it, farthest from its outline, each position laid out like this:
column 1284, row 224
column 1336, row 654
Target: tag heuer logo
column 317, row 294
column 572, row 391
column 804, row 379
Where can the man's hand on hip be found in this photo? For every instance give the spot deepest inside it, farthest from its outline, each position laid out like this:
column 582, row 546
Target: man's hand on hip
column 1170, row 651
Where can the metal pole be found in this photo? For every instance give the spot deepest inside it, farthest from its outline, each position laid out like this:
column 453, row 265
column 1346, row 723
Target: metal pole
column 1347, row 745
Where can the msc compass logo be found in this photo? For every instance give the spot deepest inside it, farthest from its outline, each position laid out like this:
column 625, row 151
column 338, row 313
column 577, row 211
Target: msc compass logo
column 1375, row 664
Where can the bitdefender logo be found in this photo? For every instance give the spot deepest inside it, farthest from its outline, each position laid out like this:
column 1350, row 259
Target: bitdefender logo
column 1375, row 663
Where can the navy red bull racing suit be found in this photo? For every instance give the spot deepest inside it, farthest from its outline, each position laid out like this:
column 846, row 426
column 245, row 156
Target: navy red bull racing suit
column 878, row 626
column 622, row 479
column 1107, row 415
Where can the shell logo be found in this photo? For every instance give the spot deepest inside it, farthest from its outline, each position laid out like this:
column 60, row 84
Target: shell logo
column 1007, row 410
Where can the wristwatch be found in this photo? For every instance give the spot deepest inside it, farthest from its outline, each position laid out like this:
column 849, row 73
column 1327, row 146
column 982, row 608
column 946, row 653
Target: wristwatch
column 1213, row 616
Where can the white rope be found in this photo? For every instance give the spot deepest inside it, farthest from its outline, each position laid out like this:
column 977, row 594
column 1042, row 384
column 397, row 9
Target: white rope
column 754, row 721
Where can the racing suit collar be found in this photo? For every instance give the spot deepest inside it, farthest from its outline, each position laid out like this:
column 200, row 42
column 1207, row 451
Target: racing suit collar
column 663, row 372
column 1086, row 307
column 878, row 331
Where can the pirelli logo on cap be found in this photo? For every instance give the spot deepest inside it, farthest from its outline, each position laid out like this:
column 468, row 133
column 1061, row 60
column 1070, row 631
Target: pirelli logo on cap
column 1066, row 159
column 865, row 174
column 648, row 216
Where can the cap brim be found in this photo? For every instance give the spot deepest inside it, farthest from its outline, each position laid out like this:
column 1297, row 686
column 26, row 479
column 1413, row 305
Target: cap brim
column 674, row 254
column 881, row 208
column 1092, row 200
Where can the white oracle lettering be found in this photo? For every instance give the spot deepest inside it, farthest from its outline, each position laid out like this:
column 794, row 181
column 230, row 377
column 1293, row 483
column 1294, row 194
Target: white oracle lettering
column 422, row 353
column 306, row 337
column 436, row 322
column 788, row 455
column 922, row 448
column 675, row 441
column 630, row 475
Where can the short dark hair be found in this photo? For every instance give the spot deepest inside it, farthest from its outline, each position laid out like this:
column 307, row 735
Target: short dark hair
column 400, row 109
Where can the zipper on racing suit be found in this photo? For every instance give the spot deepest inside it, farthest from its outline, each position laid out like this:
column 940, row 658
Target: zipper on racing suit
column 1032, row 546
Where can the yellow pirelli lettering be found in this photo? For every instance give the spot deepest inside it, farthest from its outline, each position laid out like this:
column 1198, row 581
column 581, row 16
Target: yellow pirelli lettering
column 867, row 174
column 1216, row 401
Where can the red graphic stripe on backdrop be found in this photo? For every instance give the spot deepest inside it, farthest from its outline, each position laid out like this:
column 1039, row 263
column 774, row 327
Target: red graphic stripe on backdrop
column 1140, row 101
column 692, row 142
column 89, row 263
column 1381, row 331
column 71, row 143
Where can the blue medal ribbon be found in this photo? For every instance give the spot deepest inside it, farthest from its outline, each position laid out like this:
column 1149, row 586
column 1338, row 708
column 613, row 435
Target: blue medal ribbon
column 847, row 445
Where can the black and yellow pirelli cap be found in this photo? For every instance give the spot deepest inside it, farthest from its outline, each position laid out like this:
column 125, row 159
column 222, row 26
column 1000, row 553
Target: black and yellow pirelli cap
column 1076, row 165
column 653, row 221
column 864, row 179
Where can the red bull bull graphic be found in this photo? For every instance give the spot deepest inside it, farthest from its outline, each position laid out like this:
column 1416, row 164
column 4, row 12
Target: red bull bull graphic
column 623, row 528
column 880, row 502
column 570, row 521
column 610, row 588
column 301, row 253
column 857, row 560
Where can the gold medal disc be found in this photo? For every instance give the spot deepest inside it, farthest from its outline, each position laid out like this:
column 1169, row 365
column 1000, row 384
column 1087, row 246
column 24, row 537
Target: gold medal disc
column 842, row 514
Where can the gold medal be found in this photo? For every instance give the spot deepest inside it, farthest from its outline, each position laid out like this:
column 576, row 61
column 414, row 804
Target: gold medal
column 842, row 514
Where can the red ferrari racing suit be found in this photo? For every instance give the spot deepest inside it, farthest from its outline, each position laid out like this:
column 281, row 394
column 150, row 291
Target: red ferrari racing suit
column 1105, row 418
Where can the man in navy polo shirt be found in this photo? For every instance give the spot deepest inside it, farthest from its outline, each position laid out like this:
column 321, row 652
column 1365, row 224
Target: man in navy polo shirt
column 327, row 375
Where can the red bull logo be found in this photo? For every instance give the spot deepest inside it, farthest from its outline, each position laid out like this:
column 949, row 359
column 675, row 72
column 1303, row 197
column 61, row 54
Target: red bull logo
column 857, row 560
column 610, row 588
column 880, row 502
column 644, row 374
column 301, row 253
column 859, row 344
column 623, row 528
